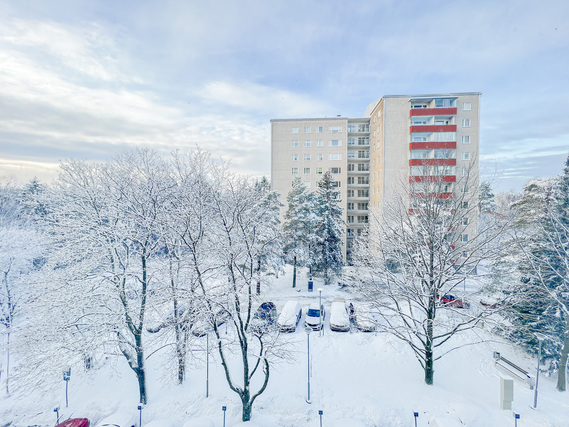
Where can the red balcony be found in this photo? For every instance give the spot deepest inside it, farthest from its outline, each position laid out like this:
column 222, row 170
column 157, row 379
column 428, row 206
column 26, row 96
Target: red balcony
column 432, row 145
column 432, row 112
column 432, row 128
column 431, row 178
column 432, row 162
column 433, row 195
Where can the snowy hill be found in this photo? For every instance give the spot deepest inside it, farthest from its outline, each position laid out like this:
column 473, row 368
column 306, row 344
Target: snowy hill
column 358, row 379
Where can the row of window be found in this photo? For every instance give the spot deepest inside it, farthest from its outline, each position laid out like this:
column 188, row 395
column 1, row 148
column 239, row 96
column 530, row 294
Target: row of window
column 427, row 121
column 361, row 219
column 438, row 137
column 445, row 103
column 438, row 154
column 362, row 140
column 318, row 171
column 358, row 193
column 359, row 128
column 361, row 180
column 318, row 156
column 319, row 143
column 319, row 129
column 360, row 206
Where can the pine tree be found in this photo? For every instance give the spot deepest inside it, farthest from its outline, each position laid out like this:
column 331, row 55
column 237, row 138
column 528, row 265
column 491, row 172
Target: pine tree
column 326, row 258
column 299, row 226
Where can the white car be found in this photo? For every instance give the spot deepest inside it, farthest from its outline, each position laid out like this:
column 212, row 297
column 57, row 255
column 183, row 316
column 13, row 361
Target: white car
column 313, row 317
column 289, row 317
column 339, row 319
column 363, row 318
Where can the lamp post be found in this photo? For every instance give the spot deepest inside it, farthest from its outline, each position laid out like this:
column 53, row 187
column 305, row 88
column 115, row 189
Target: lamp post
column 320, row 413
column 224, row 408
column 207, row 365
column 320, row 310
column 308, row 329
column 140, row 415
column 66, row 378
column 540, row 337
column 416, row 415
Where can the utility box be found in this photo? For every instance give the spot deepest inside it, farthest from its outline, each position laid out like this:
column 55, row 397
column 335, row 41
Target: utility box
column 506, row 393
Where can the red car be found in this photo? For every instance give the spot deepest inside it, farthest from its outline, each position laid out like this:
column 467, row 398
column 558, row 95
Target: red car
column 75, row 422
column 452, row 301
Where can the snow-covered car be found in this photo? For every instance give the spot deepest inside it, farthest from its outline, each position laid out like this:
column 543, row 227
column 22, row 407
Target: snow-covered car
column 75, row 422
column 363, row 318
column 452, row 301
column 264, row 318
column 289, row 317
column 205, row 325
column 313, row 316
column 339, row 319
column 120, row 419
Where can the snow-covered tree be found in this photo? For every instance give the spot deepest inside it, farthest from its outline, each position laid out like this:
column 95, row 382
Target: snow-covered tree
column 326, row 258
column 424, row 246
column 107, row 223
column 299, row 226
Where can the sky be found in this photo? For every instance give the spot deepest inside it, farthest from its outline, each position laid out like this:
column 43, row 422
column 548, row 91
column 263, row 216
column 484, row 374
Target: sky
column 88, row 79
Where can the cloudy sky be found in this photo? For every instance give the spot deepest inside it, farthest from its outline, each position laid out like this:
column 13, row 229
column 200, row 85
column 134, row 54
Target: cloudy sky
column 87, row 79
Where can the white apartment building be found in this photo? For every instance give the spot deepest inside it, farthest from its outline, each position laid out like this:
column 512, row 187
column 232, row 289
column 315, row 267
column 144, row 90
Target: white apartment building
column 372, row 157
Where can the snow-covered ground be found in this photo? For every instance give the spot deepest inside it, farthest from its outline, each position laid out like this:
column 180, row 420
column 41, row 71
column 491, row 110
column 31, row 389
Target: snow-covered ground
column 358, row 379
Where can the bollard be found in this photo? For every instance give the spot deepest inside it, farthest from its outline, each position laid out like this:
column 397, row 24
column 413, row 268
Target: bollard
column 56, row 410
column 139, row 415
column 516, row 418
column 416, row 415
column 224, row 408
column 320, row 413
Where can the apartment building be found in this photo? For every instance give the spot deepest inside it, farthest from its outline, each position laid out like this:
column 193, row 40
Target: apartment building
column 375, row 157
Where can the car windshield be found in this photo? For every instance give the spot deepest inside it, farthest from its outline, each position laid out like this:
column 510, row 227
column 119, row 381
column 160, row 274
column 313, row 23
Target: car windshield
column 314, row 312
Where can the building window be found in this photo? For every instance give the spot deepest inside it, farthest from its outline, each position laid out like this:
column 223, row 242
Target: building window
column 465, row 123
column 319, row 171
column 363, row 206
column 352, row 128
column 464, row 221
column 363, row 154
column 306, row 171
column 334, row 157
column 466, row 106
column 320, row 143
column 335, row 143
column 464, row 238
column 445, row 102
column 294, row 143
column 351, row 154
column 363, row 180
column 415, row 138
column 351, row 141
column 295, row 157
column 363, row 141
column 363, row 167
column 319, row 129
column 464, row 172
column 363, row 127
column 362, row 219
column 306, row 129
column 294, row 130
column 307, row 184
column 351, row 167
column 335, row 170
column 350, row 193
column 336, row 184
column 363, row 193
column 445, row 136
column 307, row 157
column 465, row 139
column 307, row 144
column 466, row 155
column 335, row 129
column 319, row 156
column 350, row 219
column 350, row 205
column 464, row 205
column 295, row 171
column 351, row 180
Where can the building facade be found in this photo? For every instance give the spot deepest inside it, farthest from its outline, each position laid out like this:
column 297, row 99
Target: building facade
column 378, row 156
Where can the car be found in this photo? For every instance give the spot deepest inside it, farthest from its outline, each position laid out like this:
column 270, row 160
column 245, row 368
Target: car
column 264, row 318
column 452, row 301
column 313, row 317
column 75, row 422
column 363, row 318
column 339, row 319
column 204, row 324
column 289, row 317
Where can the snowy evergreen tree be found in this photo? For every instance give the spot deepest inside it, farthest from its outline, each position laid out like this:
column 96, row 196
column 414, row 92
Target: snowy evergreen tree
column 299, row 226
column 326, row 258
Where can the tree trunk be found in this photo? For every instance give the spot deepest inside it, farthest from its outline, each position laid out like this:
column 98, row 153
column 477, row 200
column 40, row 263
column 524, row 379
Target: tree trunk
column 429, row 362
column 259, row 276
column 140, row 370
column 294, row 273
column 247, row 406
column 561, row 375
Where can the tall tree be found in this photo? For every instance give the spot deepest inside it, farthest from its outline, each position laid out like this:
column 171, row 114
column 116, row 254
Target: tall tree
column 423, row 246
column 326, row 258
column 299, row 226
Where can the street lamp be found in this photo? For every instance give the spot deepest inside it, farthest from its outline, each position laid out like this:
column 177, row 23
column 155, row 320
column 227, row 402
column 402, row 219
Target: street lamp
column 308, row 329
column 540, row 337
column 320, row 310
